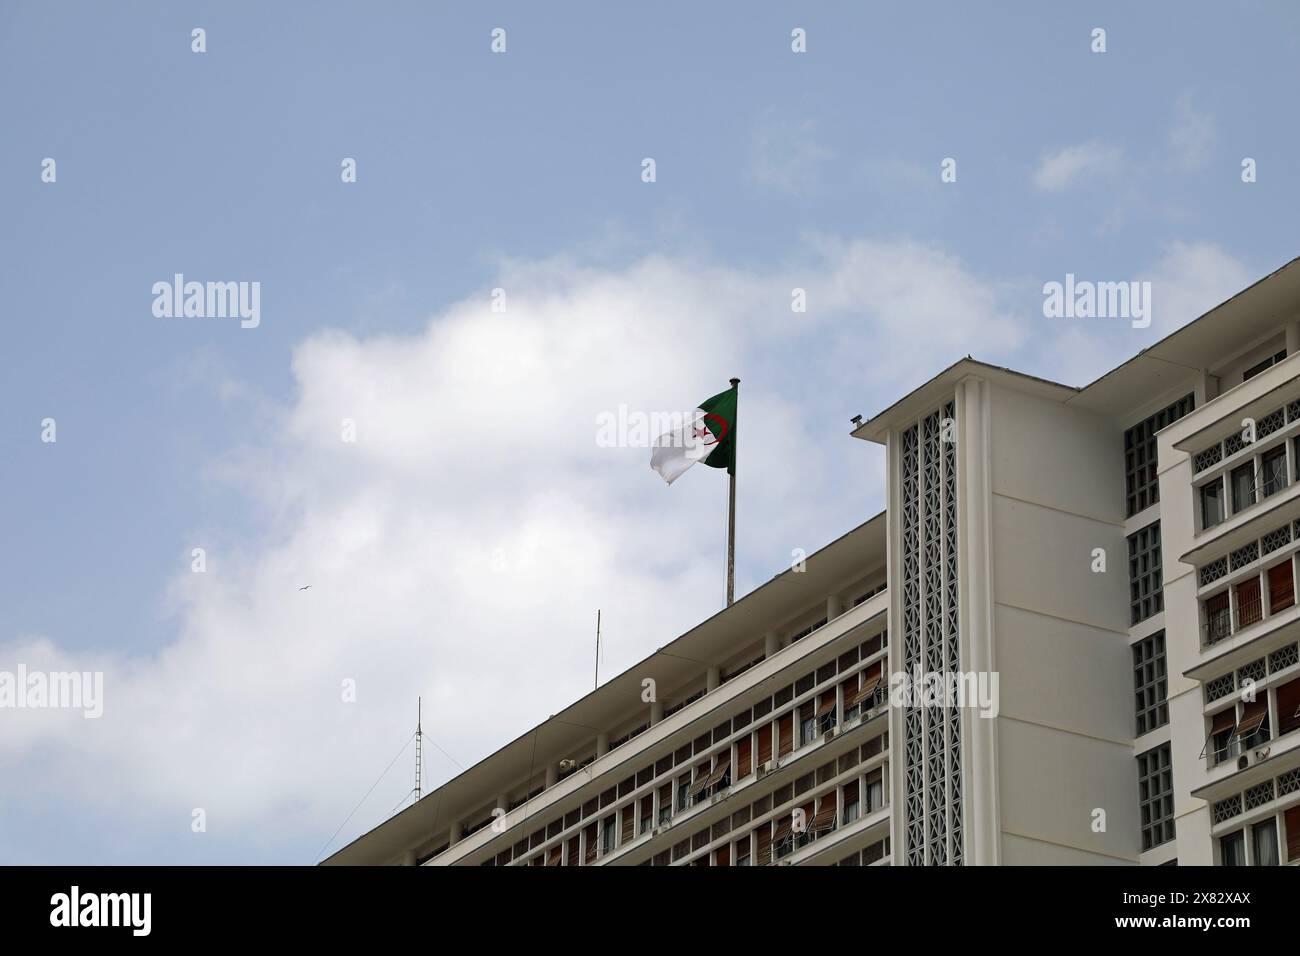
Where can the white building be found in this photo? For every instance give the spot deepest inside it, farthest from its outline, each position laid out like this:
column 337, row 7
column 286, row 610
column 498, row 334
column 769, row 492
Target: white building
column 1119, row 557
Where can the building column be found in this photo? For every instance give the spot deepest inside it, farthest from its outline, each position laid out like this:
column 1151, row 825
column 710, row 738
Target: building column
column 656, row 712
column 602, row 744
column 453, row 834
column 552, row 775
column 834, row 607
column 408, row 858
column 771, row 643
column 712, row 677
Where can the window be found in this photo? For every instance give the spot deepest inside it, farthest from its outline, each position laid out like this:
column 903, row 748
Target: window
column 1272, row 471
column 1232, row 849
column 1268, row 363
column 1212, row 503
column 1149, row 683
column 742, row 852
column 1281, row 587
column 1253, row 729
column 807, row 724
column 1223, row 736
column 1146, row 596
column 1263, row 843
column 665, row 803
column 875, row 791
column 785, row 734
column 1141, row 481
column 683, row 788
column 1218, row 618
column 1156, row 797
column 1249, row 609
column 607, row 834
column 1288, row 707
column 826, row 713
column 852, row 806
column 1291, row 822
column 1242, row 480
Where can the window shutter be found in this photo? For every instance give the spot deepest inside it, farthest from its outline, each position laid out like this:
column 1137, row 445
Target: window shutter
column 765, row 743
column 1223, row 720
column 573, row 852
column 1288, row 707
column 764, row 855
column 1281, row 587
column 1252, row 716
column 827, row 705
column 1292, row 821
column 744, row 754
column 825, row 818
column 720, row 770
column 724, row 855
column 553, row 858
column 785, row 828
column 785, row 728
column 629, row 824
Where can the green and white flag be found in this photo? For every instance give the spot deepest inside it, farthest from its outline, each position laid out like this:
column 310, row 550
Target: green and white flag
column 708, row 434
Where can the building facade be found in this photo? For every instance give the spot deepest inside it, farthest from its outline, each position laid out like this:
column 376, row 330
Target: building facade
column 1071, row 638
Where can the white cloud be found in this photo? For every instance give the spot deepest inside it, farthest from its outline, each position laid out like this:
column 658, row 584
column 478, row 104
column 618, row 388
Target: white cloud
column 1066, row 166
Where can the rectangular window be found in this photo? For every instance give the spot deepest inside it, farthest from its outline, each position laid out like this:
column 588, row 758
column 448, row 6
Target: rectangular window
column 875, row 790
column 1242, row 480
column 1156, row 796
column 1249, row 608
column 852, row 806
column 1253, row 729
column 1146, row 594
column 1218, row 618
column 1212, row 503
column 744, row 759
column 1281, row 587
column 1150, row 683
column 1268, row 363
column 1142, row 484
column 764, row 744
column 607, row 831
column 1232, row 849
column 1263, row 843
column 1223, row 736
column 1288, row 707
column 1291, row 823
column 785, row 734
column 1272, row 472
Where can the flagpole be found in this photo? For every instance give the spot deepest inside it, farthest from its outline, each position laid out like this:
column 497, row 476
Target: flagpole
column 731, row 505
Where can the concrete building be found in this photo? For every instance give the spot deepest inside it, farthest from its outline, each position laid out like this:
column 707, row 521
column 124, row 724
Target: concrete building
column 1106, row 574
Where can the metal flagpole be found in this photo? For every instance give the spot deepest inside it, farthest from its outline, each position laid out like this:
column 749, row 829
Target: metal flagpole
column 731, row 506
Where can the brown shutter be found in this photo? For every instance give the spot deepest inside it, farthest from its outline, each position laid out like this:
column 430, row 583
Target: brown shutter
column 701, row 781
column 1292, row 820
column 720, row 770
column 862, row 693
column 1281, row 587
column 629, row 824
column 785, row 731
column 784, row 829
column 764, row 744
column 553, row 858
column 827, row 704
column 1252, row 715
column 1224, row 720
column 590, row 855
column 724, row 855
column 806, row 711
column 744, row 753
column 1248, row 607
column 764, row 854
column 825, row 818
column 1288, row 707
column 573, row 852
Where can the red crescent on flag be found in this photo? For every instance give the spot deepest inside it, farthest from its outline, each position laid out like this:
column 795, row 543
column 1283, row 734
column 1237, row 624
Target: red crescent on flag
column 726, row 427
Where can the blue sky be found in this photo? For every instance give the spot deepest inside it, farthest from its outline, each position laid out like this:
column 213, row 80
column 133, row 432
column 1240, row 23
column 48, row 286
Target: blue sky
column 461, row 546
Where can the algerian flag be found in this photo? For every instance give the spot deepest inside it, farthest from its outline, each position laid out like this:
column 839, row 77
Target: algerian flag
column 708, row 435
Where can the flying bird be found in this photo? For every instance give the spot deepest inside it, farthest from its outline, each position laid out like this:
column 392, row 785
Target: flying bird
column 304, row 587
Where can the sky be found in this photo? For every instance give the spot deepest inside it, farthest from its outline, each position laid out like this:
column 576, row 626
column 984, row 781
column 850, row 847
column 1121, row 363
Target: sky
column 458, row 546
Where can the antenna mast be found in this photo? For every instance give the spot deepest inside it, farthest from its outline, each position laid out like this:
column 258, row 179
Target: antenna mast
column 419, row 755
column 597, row 647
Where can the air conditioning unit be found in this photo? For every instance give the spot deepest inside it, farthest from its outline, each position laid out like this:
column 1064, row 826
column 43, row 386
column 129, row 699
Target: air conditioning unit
column 829, row 735
column 765, row 768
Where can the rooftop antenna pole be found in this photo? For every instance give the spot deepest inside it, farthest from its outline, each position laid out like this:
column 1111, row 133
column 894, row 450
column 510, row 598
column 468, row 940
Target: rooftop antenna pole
column 597, row 647
column 731, row 507
column 419, row 742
